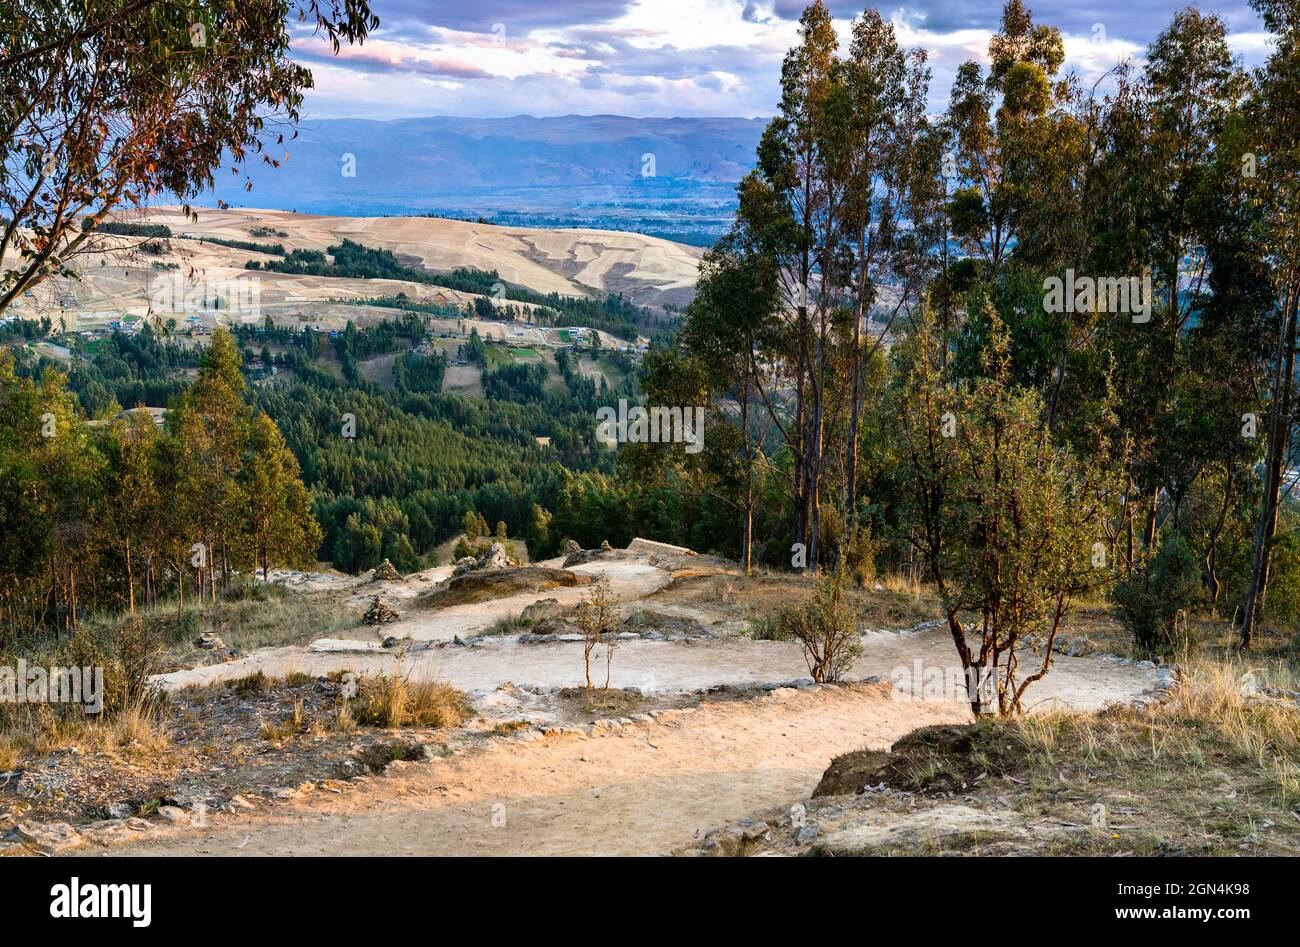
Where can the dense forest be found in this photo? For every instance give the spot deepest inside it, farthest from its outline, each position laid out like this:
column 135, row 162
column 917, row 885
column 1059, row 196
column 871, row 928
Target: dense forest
column 123, row 514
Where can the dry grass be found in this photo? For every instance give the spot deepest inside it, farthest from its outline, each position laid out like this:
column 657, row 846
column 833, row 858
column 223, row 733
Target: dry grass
column 1212, row 770
column 139, row 730
column 264, row 617
column 890, row 601
column 389, row 700
column 9, row 753
column 1213, row 765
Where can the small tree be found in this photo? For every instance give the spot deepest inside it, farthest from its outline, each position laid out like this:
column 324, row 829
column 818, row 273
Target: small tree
column 597, row 619
column 1009, row 522
column 826, row 628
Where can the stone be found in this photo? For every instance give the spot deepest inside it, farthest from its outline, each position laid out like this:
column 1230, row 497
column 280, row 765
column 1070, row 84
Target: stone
column 106, row 832
column 120, row 810
column 50, row 836
column 209, row 642
column 541, row 609
column 806, row 833
column 239, row 802
column 386, row 572
column 343, row 646
column 938, row 827
column 173, row 814
column 379, row 613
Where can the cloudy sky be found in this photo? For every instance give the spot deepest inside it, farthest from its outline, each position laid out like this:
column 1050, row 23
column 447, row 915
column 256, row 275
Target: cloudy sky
column 672, row 57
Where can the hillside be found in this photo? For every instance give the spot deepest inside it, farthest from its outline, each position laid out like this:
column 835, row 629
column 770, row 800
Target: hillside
column 119, row 280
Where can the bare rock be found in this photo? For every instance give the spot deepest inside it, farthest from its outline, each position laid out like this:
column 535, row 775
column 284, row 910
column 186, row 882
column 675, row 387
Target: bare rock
column 940, row 827
column 541, row 609
column 50, row 836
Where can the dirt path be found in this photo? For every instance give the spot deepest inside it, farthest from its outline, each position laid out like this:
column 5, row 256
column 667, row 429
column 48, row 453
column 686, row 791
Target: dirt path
column 667, row 666
column 648, row 788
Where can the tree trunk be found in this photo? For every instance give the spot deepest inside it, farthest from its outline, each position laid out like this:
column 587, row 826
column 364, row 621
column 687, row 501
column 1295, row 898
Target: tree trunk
column 130, row 580
column 1278, row 429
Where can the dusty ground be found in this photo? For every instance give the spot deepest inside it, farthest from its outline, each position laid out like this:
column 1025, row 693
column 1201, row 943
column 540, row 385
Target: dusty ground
column 647, row 788
column 697, row 730
column 730, row 658
column 536, row 777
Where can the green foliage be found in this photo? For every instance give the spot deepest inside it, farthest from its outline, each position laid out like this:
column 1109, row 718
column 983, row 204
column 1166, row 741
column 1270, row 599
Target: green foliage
column 1156, row 600
column 118, row 510
column 826, row 628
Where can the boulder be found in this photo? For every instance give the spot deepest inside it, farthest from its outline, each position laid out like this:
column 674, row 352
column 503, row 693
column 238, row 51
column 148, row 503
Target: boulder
column 541, row 609
column 50, row 836
column 940, row 827
column 495, row 558
column 481, row 585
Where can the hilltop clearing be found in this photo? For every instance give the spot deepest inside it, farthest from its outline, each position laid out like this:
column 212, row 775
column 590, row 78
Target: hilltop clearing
column 703, row 723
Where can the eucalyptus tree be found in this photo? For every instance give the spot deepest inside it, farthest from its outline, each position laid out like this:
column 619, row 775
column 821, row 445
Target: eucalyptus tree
column 111, row 103
column 1275, row 120
column 790, row 211
column 878, row 143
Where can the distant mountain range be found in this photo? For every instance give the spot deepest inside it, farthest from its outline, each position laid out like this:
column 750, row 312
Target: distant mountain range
column 668, row 176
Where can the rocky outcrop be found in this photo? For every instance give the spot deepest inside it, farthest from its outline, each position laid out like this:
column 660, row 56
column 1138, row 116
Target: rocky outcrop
column 495, row 558
column 480, row 585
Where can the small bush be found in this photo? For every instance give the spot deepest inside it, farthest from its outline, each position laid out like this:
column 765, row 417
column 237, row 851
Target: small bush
column 249, row 684
column 248, row 589
column 1153, row 598
column 509, row 625
column 826, row 628
column 768, row 628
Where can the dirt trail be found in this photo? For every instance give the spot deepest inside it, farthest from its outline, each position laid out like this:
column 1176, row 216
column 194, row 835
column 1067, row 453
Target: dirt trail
column 648, row 788
column 1081, row 683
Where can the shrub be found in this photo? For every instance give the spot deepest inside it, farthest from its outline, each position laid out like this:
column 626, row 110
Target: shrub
column 1283, row 603
column 597, row 618
column 1151, row 600
column 826, row 628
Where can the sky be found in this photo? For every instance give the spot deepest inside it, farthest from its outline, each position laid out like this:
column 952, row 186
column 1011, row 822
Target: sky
column 663, row 58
